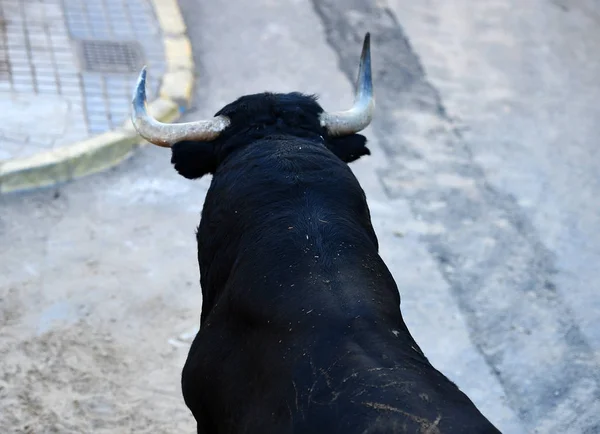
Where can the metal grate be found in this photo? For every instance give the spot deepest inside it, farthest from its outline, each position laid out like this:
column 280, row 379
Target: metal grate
column 110, row 56
column 4, row 63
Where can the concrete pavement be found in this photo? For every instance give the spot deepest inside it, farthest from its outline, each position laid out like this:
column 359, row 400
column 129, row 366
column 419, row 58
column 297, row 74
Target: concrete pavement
column 66, row 73
column 522, row 88
column 484, row 216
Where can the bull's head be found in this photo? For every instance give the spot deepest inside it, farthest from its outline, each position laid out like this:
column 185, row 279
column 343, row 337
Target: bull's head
column 337, row 123
column 199, row 147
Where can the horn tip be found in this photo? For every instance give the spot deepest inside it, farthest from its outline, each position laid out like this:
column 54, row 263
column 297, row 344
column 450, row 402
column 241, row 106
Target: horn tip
column 143, row 73
column 366, row 50
column 140, row 87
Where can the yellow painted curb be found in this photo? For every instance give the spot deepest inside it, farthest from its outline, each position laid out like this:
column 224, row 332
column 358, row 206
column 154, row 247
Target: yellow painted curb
column 108, row 149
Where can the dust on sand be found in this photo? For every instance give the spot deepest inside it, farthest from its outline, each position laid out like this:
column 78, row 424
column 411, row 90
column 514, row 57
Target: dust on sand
column 77, row 379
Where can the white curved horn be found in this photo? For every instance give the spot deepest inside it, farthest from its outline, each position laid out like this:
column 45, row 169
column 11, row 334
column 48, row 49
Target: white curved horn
column 360, row 115
column 166, row 135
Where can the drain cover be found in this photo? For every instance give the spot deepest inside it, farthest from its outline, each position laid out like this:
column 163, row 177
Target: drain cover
column 4, row 64
column 110, row 56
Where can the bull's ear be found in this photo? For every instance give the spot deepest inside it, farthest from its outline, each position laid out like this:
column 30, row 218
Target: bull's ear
column 348, row 148
column 193, row 159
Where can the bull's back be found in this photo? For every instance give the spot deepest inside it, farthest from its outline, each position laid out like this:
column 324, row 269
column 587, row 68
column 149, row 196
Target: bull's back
column 289, row 263
column 323, row 381
column 376, row 380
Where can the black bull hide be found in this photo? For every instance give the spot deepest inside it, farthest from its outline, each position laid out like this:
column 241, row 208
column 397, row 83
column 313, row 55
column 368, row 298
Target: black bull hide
column 301, row 329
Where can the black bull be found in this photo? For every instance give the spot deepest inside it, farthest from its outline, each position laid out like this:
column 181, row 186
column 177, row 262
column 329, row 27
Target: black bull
column 301, row 329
